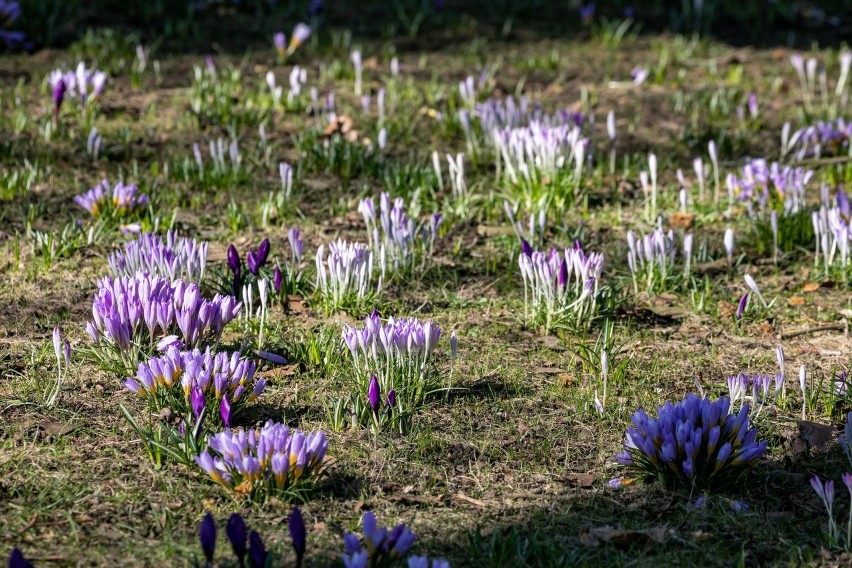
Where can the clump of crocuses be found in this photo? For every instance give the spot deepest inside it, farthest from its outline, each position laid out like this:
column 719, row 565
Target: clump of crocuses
column 131, row 315
column 393, row 371
column 694, row 443
column 381, row 546
column 171, row 257
column 192, row 383
column 114, row 202
column 82, row 84
column 256, row 464
column 391, row 232
column 560, row 288
column 346, row 276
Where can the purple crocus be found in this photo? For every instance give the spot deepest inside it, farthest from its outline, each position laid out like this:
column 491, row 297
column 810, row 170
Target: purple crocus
column 526, row 248
column 280, row 41
column 263, row 252
column 374, row 395
column 741, row 307
column 207, row 536
column 233, row 259
column 59, row 90
column 301, row 32
column 225, row 411
column 276, row 280
column 236, row 531
column 257, row 550
column 17, row 560
column 197, row 401
column 251, row 261
column 390, row 400
column 296, row 525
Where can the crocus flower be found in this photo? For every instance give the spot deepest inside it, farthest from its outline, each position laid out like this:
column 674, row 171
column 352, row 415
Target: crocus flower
column 207, row 536
column 741, row 306
column 233, row 259
column 17, row 560
column 749, row 280
column 257, row 550
column 639, row 74
column 236, row 531
column 280, row 41
column 390, row 400
column 300, row 34
column 729, row 244
column 225, row 411
column 296, row 525
column 197, row 401
column 374, row 395
column 171, row 257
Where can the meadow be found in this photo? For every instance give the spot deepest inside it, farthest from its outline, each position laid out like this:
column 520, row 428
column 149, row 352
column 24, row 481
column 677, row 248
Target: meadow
column 425, row 284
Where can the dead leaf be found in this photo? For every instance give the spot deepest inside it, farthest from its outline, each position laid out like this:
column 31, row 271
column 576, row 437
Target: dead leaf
column 565, row 379
column 371, row 63
column 549, row 370
column 810, row 287
column 296, row 304
column 582, row 479
column 596, row 536
column 796, row 301
column 681, row 220
column 817, row 436
column 471, row 500
column 56, row 429
column 341, row 124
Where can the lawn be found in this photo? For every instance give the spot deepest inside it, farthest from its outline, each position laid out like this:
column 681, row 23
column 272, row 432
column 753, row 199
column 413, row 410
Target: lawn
column 462, row 245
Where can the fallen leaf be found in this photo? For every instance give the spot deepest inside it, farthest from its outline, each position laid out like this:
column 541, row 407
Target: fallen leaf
column 549, row 370
column 596, row 536
column 817, row 436
column 582, row 479
column 796, row 301
column 811, row 287
column 680, row 220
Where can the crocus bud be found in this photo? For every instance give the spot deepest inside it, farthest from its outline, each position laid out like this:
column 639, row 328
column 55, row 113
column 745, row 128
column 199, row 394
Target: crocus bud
column 17, row 560
column 454, row 346
column 280, row 41
column 779, row 354
column 257, row 550
column 236, row 531
column 251, row 261
column 207, row 536
column 66, row 350
column 59, row 90
column 233, row 259
column 526, row 248
column 390, row 400
column 802, row 380
column 262, row 252
column 276, row 280
column 374, row 395
column 225, row 411
column 297, row 533
column 197, row 401
column 610, row 126
column 729, row 243
column 741, row 307
column 57, row 344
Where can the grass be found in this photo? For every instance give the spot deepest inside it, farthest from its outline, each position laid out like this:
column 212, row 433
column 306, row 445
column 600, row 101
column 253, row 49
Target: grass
column 510, row 468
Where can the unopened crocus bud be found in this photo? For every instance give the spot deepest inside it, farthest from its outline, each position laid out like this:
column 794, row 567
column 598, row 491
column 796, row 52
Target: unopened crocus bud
column 257, row 550
column 236, row 531
column 610, row 126
column 280, row 41
column 296, row 526
column 225, row 411
column 251, row 261
column 207, row 536
column 741, row 307
column 454, row 347
column 262, row 253
column 276, row 280
column 390, row 400
column 779, row 354
column 59, row 90
column 300, row 34
column 526, row 248
column 803, row 380
column 66, row 350
column 57, row 344
column 17, row 560
column 197, row 401
column 374, row 395
column 233, row 259
column 729, row 243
